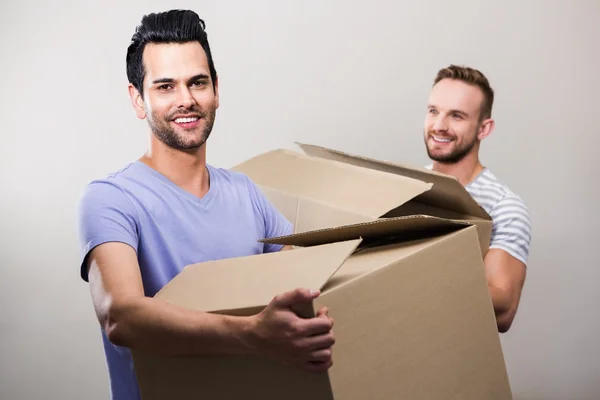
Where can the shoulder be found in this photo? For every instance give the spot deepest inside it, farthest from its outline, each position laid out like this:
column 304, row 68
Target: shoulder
column 504, row 198
column 510, row 216
column 105, row 213
column 239, row 186
column 488, row 185
column 228, row 176
column 108, row 187
column 233, row 180
column 107, row 195
column 511, row 202
column 490, row 192
column 274, row 222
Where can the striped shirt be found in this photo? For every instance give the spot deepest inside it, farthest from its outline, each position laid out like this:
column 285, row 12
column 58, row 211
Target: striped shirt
column 511, row 223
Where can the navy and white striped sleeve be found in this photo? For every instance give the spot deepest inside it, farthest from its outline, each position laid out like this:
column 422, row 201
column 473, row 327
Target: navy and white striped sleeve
column 511, row 230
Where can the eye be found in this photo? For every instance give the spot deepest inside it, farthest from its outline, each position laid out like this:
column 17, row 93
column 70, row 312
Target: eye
column 199, row 83
column 164, row 87
column 432, row 111
column 457, row 116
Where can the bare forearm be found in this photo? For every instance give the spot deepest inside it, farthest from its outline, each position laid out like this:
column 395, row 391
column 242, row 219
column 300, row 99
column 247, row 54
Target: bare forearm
column 158, row 327
column 506, row 276
column 502, row 307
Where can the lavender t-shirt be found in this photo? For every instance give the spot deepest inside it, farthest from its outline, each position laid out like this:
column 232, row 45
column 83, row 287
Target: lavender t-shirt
column 171, row 228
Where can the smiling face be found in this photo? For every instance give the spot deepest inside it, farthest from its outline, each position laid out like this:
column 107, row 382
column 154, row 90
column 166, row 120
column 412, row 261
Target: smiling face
column 180, row 100
column 453, row 128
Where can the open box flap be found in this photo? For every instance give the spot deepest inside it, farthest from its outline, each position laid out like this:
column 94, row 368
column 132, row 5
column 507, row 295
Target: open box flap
column 401, row 229
column 253, row 281
column 447, row 192
column 364, row 191
column 309, row 215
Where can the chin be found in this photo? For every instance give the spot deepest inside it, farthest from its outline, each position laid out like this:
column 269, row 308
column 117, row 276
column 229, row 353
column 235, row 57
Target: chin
column 192, row 145
column 186, row 143
column 439, row 156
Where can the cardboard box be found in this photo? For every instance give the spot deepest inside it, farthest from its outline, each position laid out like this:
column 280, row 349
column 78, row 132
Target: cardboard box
column 397, row 253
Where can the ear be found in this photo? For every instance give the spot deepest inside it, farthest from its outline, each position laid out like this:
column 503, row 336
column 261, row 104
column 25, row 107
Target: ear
column 216, row 85
column 486, row 128
column 137, row 101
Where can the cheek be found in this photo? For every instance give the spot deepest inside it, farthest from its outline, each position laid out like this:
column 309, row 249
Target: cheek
column 465, row 135
column 159, row 106
column 428, row 125
column 206, row 99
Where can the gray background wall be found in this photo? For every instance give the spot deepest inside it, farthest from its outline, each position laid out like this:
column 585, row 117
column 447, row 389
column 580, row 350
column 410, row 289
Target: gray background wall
column 347, row 74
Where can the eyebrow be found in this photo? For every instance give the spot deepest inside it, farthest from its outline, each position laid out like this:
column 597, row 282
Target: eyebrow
column 171, row 80
column 459, row 112
column 451, row 111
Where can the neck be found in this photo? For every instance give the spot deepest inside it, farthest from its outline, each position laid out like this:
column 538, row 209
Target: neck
column 466, row 170
column 186, row 169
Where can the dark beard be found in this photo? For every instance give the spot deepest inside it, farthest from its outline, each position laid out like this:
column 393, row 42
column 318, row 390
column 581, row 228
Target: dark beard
column 458, row 154
column 454, row 157
column 163, row 130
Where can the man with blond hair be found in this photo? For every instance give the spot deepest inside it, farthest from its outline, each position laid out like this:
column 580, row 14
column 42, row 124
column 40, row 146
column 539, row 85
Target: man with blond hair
column 459, row 117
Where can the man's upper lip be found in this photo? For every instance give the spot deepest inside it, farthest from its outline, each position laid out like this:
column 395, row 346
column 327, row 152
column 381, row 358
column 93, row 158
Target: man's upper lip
column 186, row 116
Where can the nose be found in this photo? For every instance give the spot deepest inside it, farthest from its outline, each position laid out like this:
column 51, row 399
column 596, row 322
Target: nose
column 440, row 124
column 185, row 99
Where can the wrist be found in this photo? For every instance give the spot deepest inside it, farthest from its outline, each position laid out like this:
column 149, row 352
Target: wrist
column 244, row 332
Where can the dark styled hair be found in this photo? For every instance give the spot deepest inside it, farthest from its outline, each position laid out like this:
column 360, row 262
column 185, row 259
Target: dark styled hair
column 174, row 26
column 473, row 77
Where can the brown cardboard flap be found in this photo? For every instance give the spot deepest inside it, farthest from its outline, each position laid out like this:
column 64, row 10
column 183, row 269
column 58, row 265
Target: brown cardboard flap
column 286, row 204
column 446, row 192
column 253, row 281
column 226, row 378
column 309, row 215
column 332, row 183
column 390, row 229
column 314, row 216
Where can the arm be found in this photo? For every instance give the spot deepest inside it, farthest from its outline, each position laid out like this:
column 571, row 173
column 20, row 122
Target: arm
column 130, row 319
column 506, row 277
column 108, row 232
column 505, row 262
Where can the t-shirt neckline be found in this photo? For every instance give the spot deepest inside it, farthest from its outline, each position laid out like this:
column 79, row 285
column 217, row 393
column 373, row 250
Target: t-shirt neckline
column 204, row 201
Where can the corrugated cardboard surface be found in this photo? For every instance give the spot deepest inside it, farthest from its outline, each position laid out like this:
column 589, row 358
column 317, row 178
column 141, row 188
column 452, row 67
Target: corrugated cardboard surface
column 446, row 192
column 398, row 254
column 308, row 215
column 226, row 378
column 412, row 320
column 352, row 189
column 404, row 228
column 347, row 187
column 249, row 282
column 413, row 330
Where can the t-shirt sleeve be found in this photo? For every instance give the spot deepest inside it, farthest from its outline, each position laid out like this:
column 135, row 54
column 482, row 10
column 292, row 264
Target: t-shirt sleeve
column 275, row 222
column 511, row 230
column 104, row 214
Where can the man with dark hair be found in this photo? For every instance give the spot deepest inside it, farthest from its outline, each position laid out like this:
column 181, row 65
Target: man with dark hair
column 141, row 225
column 459, row 117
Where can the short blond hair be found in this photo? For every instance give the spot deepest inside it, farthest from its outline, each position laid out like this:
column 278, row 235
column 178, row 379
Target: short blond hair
column 472, row 77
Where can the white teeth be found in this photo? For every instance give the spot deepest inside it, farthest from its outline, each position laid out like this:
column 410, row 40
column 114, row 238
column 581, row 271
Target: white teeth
column 183, row 120
column 441, row 140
